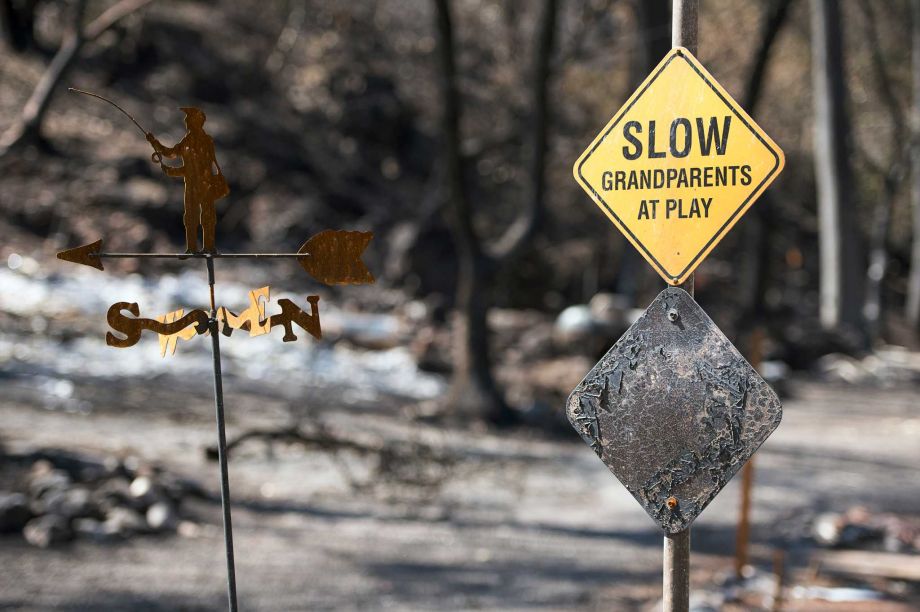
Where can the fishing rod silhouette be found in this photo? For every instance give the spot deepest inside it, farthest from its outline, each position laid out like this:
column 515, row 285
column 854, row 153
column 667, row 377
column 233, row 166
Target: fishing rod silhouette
column 155, row 157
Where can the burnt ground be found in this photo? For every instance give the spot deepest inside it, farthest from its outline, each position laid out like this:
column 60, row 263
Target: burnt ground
column 512, row 521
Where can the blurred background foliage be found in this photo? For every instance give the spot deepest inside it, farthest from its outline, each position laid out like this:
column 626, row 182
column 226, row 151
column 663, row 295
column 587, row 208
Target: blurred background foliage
column 333, row 114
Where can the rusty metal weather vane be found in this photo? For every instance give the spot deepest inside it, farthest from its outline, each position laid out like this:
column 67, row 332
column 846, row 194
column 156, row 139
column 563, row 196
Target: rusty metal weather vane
column 332, row 257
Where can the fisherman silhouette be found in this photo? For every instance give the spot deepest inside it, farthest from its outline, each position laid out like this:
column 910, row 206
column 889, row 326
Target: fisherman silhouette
column 203, row 186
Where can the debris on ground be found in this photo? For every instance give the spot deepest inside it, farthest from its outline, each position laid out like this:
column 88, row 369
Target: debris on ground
column 858, row 527
column 887, row 366
column 869, row 564
column 63, row 496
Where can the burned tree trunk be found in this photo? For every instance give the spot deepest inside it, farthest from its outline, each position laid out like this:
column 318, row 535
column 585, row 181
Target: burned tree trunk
column 892, row 170
column 913, row 284
column 757, row 225
column 841, row 250
column 473, row 390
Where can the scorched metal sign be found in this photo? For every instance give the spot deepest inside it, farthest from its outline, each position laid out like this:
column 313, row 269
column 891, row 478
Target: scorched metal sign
column 674, row 410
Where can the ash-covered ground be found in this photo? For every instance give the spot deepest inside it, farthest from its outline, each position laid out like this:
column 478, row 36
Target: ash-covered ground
column 346, row 496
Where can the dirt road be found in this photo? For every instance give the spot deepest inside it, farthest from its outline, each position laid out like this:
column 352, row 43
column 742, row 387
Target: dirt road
column 518, row 523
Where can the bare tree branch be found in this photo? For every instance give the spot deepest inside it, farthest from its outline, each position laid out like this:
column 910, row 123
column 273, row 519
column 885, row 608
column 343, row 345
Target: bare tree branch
column 773, row 25
column 897, row 167
column 473, row 390
column 460, row 209
column 112, row 16
column 28, row 127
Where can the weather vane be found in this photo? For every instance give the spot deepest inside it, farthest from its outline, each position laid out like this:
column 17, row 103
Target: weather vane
column 332, row 257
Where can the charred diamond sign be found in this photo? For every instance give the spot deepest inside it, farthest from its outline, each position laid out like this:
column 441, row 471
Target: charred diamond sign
column 678, row 165
column 674, row 410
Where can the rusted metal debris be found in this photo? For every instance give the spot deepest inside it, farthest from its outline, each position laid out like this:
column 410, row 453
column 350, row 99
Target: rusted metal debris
column 674, row 410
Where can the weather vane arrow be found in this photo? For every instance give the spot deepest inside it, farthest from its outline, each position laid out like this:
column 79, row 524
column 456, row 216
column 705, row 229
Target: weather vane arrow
column 332, row 257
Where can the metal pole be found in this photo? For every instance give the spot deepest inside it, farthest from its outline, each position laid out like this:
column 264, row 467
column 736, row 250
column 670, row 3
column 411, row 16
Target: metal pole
column 676, row 576
column 684, row 19
column 207, row 256
column 222, row 443
column 755, row 357
column 779, row 573
column 744, row 519
column 676, row 567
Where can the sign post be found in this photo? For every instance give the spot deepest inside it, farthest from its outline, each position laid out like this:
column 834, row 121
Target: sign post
column 673, row 409
column 675, row 572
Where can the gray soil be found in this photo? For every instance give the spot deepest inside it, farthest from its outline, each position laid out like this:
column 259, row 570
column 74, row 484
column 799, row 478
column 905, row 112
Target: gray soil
column 513, row 521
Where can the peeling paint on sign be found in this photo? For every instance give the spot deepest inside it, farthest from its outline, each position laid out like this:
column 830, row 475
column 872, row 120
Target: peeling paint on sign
column 674, row 410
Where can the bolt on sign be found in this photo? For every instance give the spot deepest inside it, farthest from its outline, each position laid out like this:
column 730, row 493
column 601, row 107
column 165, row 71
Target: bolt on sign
column 678, row 165
column 674, row 410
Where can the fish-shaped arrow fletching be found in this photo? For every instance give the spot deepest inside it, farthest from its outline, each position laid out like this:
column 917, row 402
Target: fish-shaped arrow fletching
column 88, row 255
column 335, row 257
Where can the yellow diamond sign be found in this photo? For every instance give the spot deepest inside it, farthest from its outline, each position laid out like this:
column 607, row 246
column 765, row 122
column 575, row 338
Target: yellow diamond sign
column 678, row 165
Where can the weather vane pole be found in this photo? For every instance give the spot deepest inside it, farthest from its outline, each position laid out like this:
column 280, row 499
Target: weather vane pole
column 332, row 257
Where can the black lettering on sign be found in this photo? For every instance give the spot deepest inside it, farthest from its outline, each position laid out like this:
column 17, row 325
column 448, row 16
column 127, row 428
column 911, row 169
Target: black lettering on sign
column 670, row 206
column 632, row 126
column 696, row 208
column 680, row 142
column 680, row 121
column 706, row 202
column 720, row 138
column 652, row 153
column 643, row 210
column 647, row 209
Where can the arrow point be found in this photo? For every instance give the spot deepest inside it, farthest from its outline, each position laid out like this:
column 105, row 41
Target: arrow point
column 88, row 255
